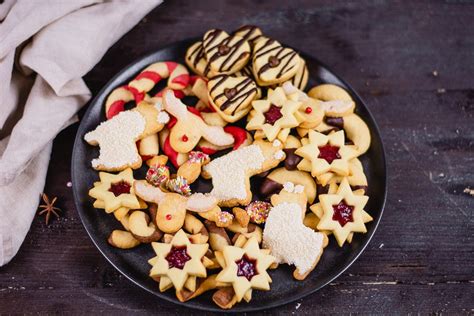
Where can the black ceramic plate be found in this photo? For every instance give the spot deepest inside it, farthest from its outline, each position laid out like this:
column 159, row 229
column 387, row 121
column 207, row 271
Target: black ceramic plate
column 284, row 289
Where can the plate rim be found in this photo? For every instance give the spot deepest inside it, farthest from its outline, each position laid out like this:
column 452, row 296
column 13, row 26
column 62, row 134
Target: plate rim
column 248, row 308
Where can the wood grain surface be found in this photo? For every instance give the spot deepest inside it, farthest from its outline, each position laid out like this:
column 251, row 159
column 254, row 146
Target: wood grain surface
column 413, row 63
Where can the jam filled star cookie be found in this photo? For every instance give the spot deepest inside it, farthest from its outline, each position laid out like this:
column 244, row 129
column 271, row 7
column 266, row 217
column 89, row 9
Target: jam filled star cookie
column 272, row 63
column 225, row 53
column 231, row 97
column 274, row 114
column 342, row 212
column 231, row 173
column 177, row 261
column 246, row 268
column 326, row 154
column 115, row 190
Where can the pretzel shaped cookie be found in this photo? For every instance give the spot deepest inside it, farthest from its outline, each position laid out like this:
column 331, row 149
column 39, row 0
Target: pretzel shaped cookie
column 190, row 128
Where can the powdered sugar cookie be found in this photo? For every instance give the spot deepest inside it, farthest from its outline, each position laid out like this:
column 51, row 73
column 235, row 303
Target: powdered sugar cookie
column 230, row 173
column 286, row 236
column 274, row 114
column 342, row 212
column 176, row 261
column 326, row 153
column 189, row 128
column 245, row 268
column 115, row 190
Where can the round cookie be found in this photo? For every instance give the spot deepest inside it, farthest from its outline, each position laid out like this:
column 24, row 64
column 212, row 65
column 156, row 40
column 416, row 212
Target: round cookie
column 275, row 181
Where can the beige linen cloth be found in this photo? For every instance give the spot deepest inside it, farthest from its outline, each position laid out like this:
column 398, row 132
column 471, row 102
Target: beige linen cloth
column 46, row 46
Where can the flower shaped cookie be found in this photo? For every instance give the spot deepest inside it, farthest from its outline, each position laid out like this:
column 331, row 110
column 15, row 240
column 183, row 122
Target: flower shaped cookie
column 176, row 261
column 326, row 153
column 246, row 268
column 274, row 114
column 115, row 190
column 343, row 212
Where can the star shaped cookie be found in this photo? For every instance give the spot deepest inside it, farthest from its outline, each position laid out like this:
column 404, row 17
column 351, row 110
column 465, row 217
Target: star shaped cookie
column 342, row 212
column 177, row 261
column 327, row 153
column 246, row 268
column 115, row 190
column 274, row 114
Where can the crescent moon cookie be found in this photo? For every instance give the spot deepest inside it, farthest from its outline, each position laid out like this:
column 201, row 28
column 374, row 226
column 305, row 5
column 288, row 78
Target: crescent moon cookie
column 273, row 63
column 246, row 268
column 231, row 173
column 326, row 153
column 288, row 239
column 274, row 114
column 189, row 128
column 231, row 97
column 115, row 191
column 225, row 53
column 177, row 261
column 342, row 212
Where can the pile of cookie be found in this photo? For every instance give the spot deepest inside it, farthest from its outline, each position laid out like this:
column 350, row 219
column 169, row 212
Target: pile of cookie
column 243, row 114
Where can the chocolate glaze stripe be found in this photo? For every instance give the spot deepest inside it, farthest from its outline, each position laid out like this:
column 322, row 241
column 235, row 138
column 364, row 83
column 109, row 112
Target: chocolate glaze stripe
column 246, row 82
column 222, row 79
column 266, row 52
column 283, row 69
column 267, row 65
column 242, row 94
column 199, row 51
column 233, row 49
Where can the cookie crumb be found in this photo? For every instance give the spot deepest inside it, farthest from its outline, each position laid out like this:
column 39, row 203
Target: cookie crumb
column 435, row 73
column 69, row 184
column 469, row 191
column 441, row 90
column 297, row 306
column 381, row 246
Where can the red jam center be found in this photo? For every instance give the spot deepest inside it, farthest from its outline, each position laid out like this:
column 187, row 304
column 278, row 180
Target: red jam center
column 342, row 213
column 184, row 138
column 246, row 267
column 329, row 153
column 121, row 187
column 177, row 257
column 308, row 110
column 168, row 217
column 273, row 114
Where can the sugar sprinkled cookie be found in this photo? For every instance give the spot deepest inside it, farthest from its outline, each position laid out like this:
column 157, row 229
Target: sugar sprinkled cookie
column 230, row 173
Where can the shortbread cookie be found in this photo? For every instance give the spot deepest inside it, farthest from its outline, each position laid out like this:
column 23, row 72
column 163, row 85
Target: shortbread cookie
column 148, row 147
column 274, row 114
column 189, row 128
column 358, row 132
column 272, row 63
column 357, row 179
column 276, row 180
column 342, row 212
column 310, row 113
column 289, row 240
column 225, row 53
column 326, row 153
column 116, row 190
column 172, row 206
column 196, row 59
column 231, row 97
column 176, row 159
column 230, row 173
column 246, row 268
column 250, row 33
column 329, row 92
column 191, row 169
column 176, row 261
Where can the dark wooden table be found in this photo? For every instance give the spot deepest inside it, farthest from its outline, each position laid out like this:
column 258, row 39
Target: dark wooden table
column 412, row 62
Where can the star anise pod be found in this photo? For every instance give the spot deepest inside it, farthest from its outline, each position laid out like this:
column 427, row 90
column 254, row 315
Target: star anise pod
column 48, row 207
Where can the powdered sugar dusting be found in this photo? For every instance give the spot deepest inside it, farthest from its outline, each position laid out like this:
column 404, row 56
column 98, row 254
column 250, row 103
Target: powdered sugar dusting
column 163, row 117
column 279, row 155
column 116, row 138
column 229, row 172
column 289, row 240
